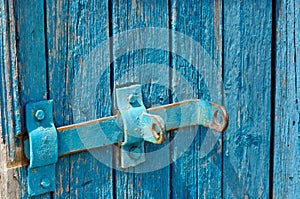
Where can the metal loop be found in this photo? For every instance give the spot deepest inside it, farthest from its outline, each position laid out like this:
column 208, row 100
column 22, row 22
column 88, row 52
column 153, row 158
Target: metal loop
column 217, row 125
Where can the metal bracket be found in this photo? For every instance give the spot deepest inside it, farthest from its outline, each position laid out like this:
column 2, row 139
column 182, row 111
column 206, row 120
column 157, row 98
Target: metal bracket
column 43, row 148
column 138, row 126
column 129, row 129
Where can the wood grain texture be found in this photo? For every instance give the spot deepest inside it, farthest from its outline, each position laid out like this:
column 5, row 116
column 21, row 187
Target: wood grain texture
column 31, row 65
column 23, row 77
column 9, row 99
column 132, row 67
column 58, row 75
column 79, row 89
column 31, row 52
column 44, row 48
column 10, row 110
column 197, row 173
column 286, row 172
column 247, row 75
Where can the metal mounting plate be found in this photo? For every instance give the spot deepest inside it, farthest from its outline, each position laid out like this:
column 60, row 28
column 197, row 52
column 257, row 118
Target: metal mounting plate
column 43, row 148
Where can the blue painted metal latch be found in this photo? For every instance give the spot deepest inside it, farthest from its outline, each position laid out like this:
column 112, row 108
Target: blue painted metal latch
column 129, row 129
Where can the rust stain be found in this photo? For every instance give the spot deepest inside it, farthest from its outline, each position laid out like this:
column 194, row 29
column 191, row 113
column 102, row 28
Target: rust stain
column 220, row 148
column 217, row 22
column 133, row 4
column 19, row 160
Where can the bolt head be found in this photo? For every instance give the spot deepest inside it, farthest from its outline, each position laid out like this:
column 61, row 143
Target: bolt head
column 45, row 183
column 39, row 115
column 132, row 99
column 137, row 130
column 135, row 152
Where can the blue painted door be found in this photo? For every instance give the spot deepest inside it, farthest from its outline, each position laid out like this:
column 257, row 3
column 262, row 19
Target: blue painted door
column 242, row 54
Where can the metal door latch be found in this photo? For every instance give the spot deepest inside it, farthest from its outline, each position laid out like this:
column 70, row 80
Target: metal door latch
column 129, row 129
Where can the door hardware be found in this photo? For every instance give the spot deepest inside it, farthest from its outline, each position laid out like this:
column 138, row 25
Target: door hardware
column 130, row 128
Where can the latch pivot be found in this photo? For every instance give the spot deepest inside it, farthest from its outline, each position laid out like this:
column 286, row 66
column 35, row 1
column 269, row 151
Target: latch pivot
column 138, row 125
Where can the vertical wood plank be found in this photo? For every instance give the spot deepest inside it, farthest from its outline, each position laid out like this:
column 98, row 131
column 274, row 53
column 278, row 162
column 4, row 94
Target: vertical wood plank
column 10, row 107
column 31, row 51
column 14, row 67
column 75, row 28
column 132, row 68
column 286, row 179
column 198, row 74
column 31, row 65
column 10, row 149
column 247, row 76
column 58, row 74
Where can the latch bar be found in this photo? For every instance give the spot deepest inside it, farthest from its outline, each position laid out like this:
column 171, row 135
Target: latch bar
column 109, row 130
column 192, row 113
column 88, row 135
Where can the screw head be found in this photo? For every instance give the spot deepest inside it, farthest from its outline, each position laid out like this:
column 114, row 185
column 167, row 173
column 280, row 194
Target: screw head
column 135, row 152
column 137, row 130
column 132, row 99
column 39, row 115
column 45, row 183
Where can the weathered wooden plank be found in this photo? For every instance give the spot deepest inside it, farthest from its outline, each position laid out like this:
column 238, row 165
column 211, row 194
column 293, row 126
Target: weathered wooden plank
column 197, row 73
column 31, row 64
column 149, row 67
column 9, row 103
column 80, row 88
column 58, row 75
column 286, row 171
column 24, row 31
column 10, row 109
column 31, row 51
column 247, row 77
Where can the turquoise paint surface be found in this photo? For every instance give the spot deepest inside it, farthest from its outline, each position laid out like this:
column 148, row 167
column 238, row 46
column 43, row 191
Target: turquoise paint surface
column 129, row 69
column 197, row 174
column 286, row 158
column 247, row 95
column 47, row 42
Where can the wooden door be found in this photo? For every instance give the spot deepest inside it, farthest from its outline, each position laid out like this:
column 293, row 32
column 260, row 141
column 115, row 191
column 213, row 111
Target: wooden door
column 242, row 54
